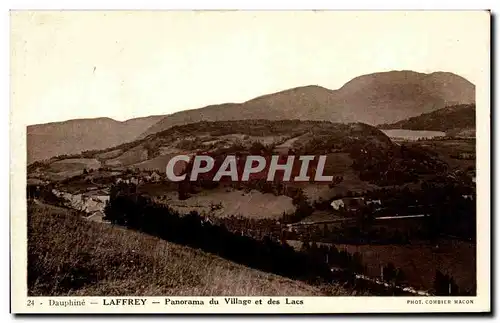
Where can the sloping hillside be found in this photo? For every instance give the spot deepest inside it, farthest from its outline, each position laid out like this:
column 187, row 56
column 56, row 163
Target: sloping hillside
column 359, row 157
column 373, row 99
column 68, row 255
column 222, row 137
column 73, row 136
column 453, row 119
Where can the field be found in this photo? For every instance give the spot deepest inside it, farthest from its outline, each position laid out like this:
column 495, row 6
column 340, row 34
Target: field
column 68, row 255
column 159, row 162
column 65, row 168
column 74, row 164
column 321, row 216
column 447, row 151
column 412, row 134
column 132, row 156
column 253, row 204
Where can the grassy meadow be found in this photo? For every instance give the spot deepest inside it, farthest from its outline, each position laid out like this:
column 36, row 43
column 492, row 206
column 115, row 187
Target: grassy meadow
column 71, row 256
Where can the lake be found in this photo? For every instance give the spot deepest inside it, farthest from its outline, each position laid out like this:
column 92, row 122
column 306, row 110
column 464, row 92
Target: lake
column 411, row 134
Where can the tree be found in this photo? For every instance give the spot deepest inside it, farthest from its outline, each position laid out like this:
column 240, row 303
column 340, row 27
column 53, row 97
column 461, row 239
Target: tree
column 445, row 285
column 399, row 277
column 326, row 231
column 389, row 272
column 357, row 263
column 183, row 190
column 305, row 246
column 364, row 219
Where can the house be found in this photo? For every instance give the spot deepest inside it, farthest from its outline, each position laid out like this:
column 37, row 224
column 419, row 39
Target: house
column 374, row 202
column 466, row 156
column 348, row 203
column 155, row 177
column 337, row 204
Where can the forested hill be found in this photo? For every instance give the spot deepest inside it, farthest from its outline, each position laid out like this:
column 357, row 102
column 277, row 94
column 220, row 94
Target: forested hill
column 454, row 118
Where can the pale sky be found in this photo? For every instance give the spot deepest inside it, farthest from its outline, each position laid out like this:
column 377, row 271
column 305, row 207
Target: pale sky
column 67, row 65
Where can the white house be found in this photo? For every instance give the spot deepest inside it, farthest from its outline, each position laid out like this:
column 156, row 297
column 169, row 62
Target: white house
column 348, row 203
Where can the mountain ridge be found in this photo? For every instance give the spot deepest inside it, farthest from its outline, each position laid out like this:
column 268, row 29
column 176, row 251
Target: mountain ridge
column 376, row 98
column 74, row 136
column 372, row 98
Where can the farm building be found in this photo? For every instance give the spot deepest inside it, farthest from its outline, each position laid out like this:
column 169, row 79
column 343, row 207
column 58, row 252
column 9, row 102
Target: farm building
column 374, row 202
column 348, row 203
column 337, row 204
column 466, row 156
column 154, row 177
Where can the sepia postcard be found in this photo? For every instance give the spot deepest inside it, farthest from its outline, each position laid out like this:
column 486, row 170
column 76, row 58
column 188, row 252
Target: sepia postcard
column 293, row 162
